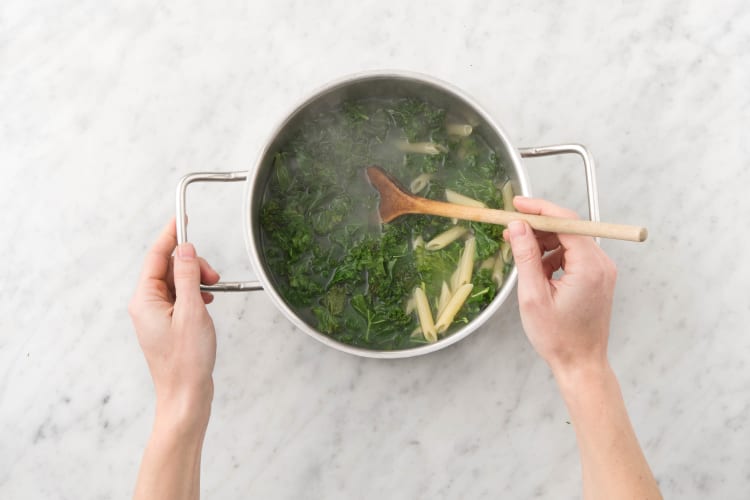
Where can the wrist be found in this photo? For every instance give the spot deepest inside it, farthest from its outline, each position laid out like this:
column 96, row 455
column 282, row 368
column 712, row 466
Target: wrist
column 185, row 413
column 577, row 361
column 577, row 379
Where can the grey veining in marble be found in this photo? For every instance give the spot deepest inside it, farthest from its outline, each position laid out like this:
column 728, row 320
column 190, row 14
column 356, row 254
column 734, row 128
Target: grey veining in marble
column 104, row 105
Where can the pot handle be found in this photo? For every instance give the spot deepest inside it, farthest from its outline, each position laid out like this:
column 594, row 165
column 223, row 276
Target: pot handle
column 222, row 286
column 588, row 165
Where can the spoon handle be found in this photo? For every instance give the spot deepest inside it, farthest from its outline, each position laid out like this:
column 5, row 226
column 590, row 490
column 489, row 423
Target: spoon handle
column 538, row 222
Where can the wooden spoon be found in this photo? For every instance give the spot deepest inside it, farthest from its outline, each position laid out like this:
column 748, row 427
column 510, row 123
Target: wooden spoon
column 395, row 201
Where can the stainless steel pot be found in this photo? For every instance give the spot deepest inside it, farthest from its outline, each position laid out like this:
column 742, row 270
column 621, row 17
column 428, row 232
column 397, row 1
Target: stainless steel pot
column 374, row 84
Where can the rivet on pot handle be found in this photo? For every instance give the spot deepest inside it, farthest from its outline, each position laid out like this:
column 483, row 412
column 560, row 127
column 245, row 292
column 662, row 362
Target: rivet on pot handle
column 222, row 286
column 588, row 165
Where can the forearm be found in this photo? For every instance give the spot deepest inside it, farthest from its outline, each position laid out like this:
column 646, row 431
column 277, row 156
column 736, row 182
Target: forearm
column 170, row 468
column 612, row 462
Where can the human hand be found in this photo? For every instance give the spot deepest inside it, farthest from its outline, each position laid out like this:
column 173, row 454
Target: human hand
column 567, row 322
column 566, row 319
column 175, row 330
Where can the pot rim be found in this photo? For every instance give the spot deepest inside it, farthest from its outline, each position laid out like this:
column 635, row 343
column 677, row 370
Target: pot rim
column 252, row 245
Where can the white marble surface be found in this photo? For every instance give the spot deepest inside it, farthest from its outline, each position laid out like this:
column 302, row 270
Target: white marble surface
column 104, row 105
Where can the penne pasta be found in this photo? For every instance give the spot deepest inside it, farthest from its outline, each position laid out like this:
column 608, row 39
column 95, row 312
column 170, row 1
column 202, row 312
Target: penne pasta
column 445, row 238
column 451, row 309
column 454, row 197
column 460, row 199
column 506, row 252
column 445, row 297
column 454, row 281
column 498, row 272
column 507, row 192
column 488, row 263
column 466, row 262
column 425, row 316
column 472, row 120
column 417, row 242
column 425, row 148
column 419, row 183
column 459, row 129
column 410, row 306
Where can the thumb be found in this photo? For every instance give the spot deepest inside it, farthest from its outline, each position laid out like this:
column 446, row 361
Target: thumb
column 532, row 283
column 187, row 274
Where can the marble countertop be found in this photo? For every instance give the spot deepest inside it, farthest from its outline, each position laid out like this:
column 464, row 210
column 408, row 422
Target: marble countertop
column 104, row 105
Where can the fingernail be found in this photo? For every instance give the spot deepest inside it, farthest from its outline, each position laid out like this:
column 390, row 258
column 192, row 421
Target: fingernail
column 517, row 228
column 210, row 267
column 186, row 251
